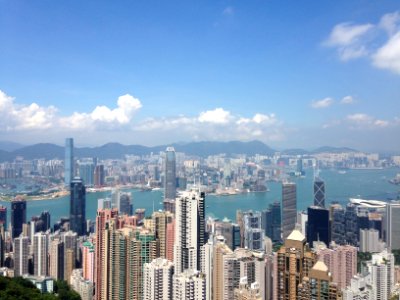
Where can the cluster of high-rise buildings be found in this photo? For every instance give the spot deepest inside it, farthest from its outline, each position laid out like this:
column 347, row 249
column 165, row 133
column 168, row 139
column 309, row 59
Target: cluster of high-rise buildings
column 179, row 253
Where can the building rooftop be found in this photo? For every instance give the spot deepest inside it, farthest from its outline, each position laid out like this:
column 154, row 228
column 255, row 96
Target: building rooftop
column 296, row 235
column 320, row 266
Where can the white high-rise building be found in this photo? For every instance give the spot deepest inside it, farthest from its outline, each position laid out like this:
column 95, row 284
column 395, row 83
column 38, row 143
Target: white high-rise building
column 40, row 254
column 189, row 231
column 206, row 265
column 381, row 269
column 21, row 253
column 369, row 241
column 189, row 285
column 157, row 280
column 359, row 288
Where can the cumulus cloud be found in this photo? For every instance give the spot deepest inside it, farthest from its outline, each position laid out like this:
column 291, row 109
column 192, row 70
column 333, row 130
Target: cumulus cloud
column 347, row 100
column 353, row 41
column 323, row 103
column 216, row 116
column 35, row 117
column 364, row 121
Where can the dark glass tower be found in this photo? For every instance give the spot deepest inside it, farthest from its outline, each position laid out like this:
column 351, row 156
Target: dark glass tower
column 271, row 220
column 69, row 161
column 18, row 217
column 77, row 216
column 319, row 192
column 318, row 225
column 3, row 216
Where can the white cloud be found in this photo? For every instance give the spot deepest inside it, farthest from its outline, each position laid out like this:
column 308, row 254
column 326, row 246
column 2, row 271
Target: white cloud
column 216, row 116
column 388, row 56
column 390, row 22
column 347, row 100
column 326, row 102
column 364, row 121
column 359, row 118
column 346, row 34
column 354, row 41
column 17, row 117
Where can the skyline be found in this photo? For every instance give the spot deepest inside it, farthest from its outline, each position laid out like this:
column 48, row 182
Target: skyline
column 291, row 75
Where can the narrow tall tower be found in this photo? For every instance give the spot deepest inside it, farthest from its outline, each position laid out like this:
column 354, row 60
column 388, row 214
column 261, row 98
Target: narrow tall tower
column 69, row 161
column 18, row 216
column 78, row 206
column 170, row 174
column 289, row 208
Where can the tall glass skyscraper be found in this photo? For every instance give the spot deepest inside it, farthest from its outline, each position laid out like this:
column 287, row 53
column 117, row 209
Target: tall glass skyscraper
column 170, row 174
column 289, row 208
column 319, row 192
column 318, row 225
column 18, row 216
column 77, row 216
column 69, row 161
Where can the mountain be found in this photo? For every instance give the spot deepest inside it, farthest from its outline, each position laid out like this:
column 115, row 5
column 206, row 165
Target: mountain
column 333, row 149
column 9, row 146
column 116, row 150
column 295, row 151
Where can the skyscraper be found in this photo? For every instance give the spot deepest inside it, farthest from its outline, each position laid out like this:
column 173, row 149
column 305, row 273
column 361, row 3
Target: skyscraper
column 189, row 231
column 124, row 203
column 289, row 208
column 77, row 215
column 18, row 216
column 319, row 192
column 56, row 261
column 253, row 233
column 318, row 225
column 189, row 285
column 158, row 280
column 271, row 221
column 161, row 219
column 69, row 161
column 21, row 253
column 3, row 216
column 392, row 225
column 381, row 268
column 295, row 261
column 40, row 254
column 170, row 174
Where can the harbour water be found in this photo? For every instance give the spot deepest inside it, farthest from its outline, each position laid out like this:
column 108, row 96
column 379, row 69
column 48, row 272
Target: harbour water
column 367, row 184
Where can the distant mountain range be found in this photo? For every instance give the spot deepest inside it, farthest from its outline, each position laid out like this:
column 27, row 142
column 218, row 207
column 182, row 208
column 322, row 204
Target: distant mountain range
column 116, row 150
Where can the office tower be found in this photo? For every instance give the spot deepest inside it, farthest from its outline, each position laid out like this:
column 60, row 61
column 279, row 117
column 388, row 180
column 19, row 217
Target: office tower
column 69, row 161
column 124, row 203
column 253, row 233
column 392, row 225
column 170, row 174
column 341, row 262
column 271, row 220
column 56, row 260
column 77, row 216
column 104, row 203
column 86, row 172
column 206, row 265
column 289, row 208
column 169, row 205
column 294, row 261
column 170, row 241
column 381, row 269
column 189, row 231
column 40, row 254
column 41, row 223
column 69, row 239
column 158, row 280
column 369, row 241
column 338, row 233
column 359, row 288
column 302, row 219
column 219, row 251
column 230, row 231
column 18, row 216
column 351, row 225
column 99, row 176
column 2, row 245
column 318, row 284
column 318, row 225
column 161, row 219
column 247, row 292
column 88, row 260
column 21, row 256
column 190, row 284
column 319, row 192
column 3, row 216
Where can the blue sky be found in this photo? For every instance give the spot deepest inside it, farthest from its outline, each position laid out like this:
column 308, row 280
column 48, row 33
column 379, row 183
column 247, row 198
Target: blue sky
column 289, row 73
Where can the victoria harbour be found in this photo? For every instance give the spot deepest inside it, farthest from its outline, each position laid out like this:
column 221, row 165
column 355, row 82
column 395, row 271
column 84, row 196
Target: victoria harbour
column 366, row 184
